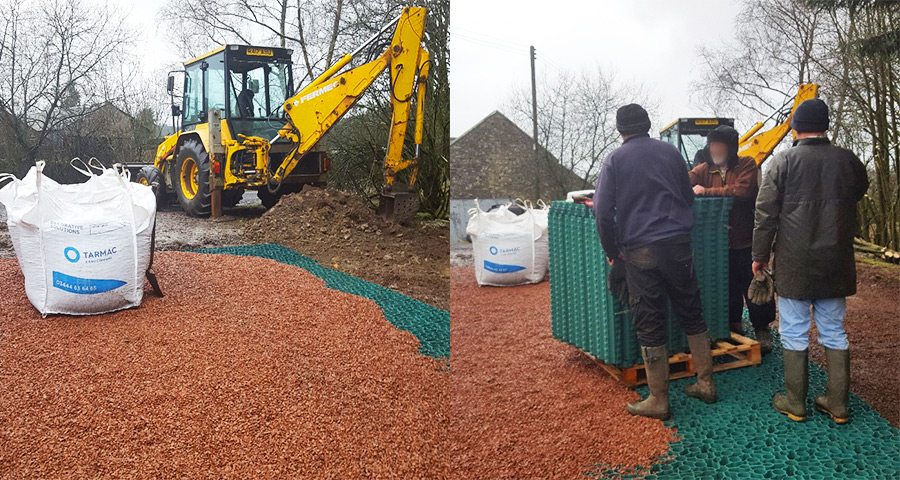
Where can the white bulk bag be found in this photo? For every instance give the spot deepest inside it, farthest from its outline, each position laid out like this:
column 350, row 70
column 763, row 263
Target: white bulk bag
column 83, row 248
column 508, row 249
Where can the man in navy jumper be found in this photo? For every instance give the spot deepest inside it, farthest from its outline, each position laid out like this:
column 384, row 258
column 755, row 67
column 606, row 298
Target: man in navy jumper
column 643, row 210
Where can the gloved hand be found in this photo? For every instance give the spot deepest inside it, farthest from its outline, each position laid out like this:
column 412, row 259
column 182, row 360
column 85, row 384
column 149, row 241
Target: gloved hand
column 616, row 282
column 762, row 288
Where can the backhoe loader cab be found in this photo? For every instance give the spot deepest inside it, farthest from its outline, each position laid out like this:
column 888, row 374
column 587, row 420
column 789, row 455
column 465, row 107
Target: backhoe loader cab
column 248, row 84
column 247, row 87
column 688, row 135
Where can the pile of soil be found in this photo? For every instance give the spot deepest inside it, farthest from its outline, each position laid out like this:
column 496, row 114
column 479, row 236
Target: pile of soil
column 873, row 327
column 527, row 406
column 342, row 231
column 203, row 382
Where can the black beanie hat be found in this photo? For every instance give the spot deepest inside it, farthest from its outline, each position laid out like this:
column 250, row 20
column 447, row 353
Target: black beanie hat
column 811, row 116
column 632, row 119
column 723, row 134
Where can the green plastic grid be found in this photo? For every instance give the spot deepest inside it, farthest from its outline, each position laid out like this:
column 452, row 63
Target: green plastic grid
column 583, row 311
column 430, row 325
column 741, row 436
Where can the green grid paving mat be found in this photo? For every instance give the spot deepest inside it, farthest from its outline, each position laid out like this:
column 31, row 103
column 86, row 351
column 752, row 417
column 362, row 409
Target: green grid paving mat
column 741, row 436
column 584, row 313
column 430, row 325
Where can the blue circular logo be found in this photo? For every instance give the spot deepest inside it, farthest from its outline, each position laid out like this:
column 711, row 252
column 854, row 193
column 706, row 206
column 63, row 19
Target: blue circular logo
column 493, row 250
column 72, row 254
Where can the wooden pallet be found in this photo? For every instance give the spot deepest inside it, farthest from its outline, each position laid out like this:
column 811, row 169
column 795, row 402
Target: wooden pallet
column 739, row 351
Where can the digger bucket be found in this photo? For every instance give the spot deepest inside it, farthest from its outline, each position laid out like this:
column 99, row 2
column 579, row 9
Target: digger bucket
column 398, row 206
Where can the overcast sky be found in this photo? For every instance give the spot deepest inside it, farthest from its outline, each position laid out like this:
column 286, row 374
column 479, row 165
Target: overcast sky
column 653, row 42
column 151, row 44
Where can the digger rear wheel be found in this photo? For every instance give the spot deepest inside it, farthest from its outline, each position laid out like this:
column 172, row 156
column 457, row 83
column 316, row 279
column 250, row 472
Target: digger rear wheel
column 191, row 179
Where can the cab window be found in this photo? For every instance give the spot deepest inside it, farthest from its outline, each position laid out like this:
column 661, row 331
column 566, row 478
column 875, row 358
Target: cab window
column 215, row 83
column 257, row 90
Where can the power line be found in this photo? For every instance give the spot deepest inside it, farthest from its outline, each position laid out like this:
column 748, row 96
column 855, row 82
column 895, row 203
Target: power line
column 486, row 43
column 488, row 38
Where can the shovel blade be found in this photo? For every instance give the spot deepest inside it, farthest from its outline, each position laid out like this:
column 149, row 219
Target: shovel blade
column 400, row 207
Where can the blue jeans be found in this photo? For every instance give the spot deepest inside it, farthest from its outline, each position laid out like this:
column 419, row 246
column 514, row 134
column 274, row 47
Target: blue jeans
column 794, row 320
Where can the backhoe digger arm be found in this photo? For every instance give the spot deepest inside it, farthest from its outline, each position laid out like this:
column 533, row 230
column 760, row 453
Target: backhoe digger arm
column 393, row 161
column 318, row 106
column 760, row 145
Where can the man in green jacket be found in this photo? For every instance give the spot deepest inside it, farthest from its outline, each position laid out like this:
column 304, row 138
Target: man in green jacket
column 806, row 212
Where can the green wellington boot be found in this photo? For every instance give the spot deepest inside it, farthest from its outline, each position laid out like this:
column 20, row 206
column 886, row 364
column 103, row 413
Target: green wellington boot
column 837, row 394
column 796, row 372
column 656, row 405
column 704, row 388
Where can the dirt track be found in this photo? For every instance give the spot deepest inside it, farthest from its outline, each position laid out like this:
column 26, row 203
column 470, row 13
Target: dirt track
column 342, row 232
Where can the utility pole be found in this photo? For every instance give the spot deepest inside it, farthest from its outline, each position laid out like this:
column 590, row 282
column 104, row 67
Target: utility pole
column 537, row 171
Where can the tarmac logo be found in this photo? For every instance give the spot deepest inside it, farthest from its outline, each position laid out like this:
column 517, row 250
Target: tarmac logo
column 503, row 251
column 72, row 254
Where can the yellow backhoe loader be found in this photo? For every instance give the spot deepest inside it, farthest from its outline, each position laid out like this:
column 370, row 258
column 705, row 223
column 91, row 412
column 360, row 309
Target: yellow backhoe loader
column 689, row 134
column 244, row 128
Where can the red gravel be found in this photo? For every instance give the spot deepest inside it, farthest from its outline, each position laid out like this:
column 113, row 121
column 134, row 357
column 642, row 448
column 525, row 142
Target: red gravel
column 527, row 406
column 204, row 383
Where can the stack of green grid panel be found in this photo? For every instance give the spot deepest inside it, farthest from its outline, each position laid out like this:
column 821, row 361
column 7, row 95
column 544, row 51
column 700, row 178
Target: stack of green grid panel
column 586, row 315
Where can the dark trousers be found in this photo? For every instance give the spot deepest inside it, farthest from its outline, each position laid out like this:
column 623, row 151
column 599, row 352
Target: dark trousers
column 654, row 273
column 740, row 274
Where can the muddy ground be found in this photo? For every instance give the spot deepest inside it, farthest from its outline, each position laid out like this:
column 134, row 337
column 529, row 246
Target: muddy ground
column 336, row 229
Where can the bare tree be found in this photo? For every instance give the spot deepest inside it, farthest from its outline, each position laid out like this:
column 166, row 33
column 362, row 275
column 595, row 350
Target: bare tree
column 772, row 54
column 55, row 57
column 848, row 47
column 316, row 30
column 577, row 117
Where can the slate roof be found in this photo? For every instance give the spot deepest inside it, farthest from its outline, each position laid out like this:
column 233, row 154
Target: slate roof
column 495, row 159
